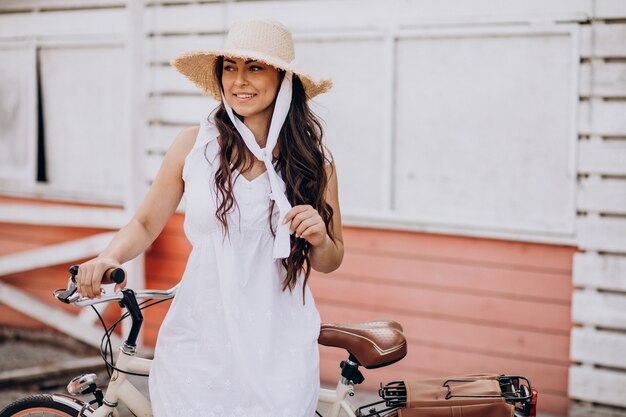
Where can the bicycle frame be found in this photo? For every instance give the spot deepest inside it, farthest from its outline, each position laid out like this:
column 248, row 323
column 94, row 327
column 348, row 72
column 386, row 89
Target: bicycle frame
column 337, row 400
column 121, row 389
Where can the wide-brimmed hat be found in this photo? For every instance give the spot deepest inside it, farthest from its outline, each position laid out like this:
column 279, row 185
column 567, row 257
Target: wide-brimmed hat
column 262, row 39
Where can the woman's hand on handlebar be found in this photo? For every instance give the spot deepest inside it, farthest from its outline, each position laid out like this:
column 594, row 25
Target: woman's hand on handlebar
column 91, row 275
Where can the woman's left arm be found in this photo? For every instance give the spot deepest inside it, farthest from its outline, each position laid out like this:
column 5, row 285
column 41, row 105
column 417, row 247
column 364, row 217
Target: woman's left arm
column 325, row 255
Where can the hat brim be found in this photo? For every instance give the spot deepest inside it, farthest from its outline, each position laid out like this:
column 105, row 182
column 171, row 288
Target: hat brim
column 198, row 66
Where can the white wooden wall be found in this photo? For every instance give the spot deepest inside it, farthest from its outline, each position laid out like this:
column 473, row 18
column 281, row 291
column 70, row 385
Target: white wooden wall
column 599, row 301
column 86, row 55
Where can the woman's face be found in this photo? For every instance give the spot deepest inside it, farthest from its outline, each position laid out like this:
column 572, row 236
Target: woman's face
column 250, row 86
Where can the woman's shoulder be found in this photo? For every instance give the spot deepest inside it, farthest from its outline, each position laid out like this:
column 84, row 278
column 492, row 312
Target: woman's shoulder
column 185, row 140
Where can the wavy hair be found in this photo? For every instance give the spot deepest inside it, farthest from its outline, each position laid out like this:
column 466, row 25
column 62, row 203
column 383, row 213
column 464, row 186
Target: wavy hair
column 301, row 164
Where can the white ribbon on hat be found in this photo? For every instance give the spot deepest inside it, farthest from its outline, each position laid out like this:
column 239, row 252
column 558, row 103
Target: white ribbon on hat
column 282, row 243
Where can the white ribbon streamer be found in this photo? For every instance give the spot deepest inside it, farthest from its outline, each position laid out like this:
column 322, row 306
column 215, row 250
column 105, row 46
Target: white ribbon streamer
column 282, row 243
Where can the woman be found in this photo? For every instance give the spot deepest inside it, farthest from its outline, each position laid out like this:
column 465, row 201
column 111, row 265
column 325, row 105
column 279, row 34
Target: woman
column 240, row 338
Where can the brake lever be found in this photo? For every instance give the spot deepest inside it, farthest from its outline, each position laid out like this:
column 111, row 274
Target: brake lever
column 64, row 296
column 71, row 290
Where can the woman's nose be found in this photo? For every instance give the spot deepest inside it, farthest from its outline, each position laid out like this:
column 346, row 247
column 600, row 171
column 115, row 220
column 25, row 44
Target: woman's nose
column 241, row 78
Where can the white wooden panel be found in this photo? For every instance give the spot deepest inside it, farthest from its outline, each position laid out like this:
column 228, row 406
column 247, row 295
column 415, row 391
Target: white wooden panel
column 69, row 23
column 164, row 48
column 189, row 18
column 603, row 234
column 60, row 4
column 352, row 112
column 602, row 157
column 482, row 143
column 373, row 13
column 605, row 272
column 54, row 215
column 609, row 79
column 602, row 79
column 599, row 309
column 181, row 110
column 608, row 40
column 604, row 196
column 84, row 110
column 165, row 79
column 160, row 137
column 603, row 118
column 609, row 9
column 598, row 347
column 18, row 131
column 597, row 385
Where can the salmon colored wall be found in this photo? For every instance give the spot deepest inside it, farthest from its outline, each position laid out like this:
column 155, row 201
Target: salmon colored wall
column 467, row 304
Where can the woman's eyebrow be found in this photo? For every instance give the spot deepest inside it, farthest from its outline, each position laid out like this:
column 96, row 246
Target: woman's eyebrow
column 233, row 62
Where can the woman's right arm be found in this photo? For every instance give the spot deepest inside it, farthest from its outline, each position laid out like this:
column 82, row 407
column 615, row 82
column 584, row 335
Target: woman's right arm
column 157, row 207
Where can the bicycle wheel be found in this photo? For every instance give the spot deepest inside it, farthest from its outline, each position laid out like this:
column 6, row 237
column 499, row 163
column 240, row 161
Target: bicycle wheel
column 44, row 406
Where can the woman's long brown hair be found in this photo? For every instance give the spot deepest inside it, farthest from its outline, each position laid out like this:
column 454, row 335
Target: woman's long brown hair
column 301, row 163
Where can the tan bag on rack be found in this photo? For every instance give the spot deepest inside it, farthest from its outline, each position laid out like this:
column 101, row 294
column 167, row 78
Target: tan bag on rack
column 444, row 397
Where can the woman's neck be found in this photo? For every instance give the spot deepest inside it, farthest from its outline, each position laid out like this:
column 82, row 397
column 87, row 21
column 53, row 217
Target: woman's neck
column 259, row 125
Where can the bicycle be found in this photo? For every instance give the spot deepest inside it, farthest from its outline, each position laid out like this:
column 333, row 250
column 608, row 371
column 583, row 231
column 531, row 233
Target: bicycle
column 362, row 341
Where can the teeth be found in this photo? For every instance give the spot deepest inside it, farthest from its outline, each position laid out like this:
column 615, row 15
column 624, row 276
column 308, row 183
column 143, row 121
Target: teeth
column 245, row 95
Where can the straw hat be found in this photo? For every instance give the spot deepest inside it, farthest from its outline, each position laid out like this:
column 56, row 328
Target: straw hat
column 263, row 39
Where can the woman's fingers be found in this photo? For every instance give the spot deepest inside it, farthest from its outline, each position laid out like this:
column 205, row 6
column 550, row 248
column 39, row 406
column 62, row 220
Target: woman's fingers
column 90, row 275
column 295, row 214
column 307, row 223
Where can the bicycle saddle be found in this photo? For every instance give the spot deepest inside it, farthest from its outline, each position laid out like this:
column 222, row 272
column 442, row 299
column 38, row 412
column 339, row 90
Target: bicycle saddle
column 374, row 343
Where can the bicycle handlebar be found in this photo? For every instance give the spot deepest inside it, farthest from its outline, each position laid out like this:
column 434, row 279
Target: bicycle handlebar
column 79, row 301
column 71, row 295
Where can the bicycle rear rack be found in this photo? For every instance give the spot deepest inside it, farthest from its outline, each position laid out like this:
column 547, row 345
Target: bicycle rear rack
column 515, row 390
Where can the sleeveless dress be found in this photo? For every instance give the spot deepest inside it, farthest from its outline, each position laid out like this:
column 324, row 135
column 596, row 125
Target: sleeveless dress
column 233, row 343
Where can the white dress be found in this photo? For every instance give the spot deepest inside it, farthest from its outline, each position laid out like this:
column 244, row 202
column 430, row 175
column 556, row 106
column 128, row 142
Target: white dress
column 233, row 343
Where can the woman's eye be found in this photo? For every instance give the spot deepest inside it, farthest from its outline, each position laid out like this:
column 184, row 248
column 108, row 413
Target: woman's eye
column 255, row 68
column 228, row 68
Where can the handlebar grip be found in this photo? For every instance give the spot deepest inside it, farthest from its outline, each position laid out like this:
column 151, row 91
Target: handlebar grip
column 118, row 275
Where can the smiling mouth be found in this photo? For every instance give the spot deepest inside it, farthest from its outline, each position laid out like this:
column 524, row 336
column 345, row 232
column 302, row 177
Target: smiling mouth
column 244, row 97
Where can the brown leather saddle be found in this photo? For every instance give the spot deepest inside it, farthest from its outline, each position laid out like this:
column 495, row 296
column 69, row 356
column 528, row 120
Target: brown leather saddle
column 374, row 344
